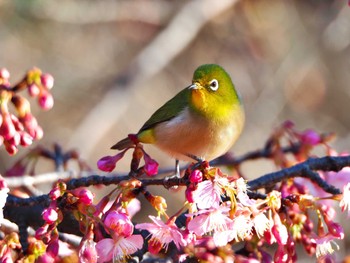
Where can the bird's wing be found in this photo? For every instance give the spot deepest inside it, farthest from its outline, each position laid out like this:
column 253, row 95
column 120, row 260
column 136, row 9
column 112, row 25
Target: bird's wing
column 169, row 110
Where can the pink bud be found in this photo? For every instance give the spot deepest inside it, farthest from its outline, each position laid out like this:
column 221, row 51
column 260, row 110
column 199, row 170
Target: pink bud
column 11, row 149
column 39, row 133
column 86, row 196
column 55, row 193
column 7, row 129
column 50, row 215
column 15, row 140
column 47, row 80
column 288, row 124
column 310, row 137
column 33, row 90
column 16, row 122
column 151, row 166
column 26, row 139
column 108, row 163
column 4, row 73
column 196, row 176
column 119, row 223
column 45, row 101
column 279, row 230
column 30, row 123
column 41, row 232
column 46, row 258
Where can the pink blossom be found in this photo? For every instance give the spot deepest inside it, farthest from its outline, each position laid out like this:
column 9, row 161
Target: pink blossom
column 50, row 215
column 119, row 248
column 108, row 163
column 164, row 233
column 261, row 224
column 119, row 223
column 134, row 206
column 324, row 245
column 214, row 219
column 345, row 201
column 208, row 193
column 242, row 225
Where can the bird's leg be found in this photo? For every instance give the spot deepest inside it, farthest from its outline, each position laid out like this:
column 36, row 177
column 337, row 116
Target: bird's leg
column 177, row 169
column 196, row 158
column 175, row 176
column 200, row 161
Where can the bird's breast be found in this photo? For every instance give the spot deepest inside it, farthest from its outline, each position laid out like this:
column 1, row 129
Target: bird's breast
column 192, row 134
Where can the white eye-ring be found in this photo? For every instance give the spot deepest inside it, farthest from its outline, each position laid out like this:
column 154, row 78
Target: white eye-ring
column 214, row 85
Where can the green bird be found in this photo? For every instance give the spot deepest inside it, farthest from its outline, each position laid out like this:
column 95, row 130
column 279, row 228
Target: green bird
column 200, row 123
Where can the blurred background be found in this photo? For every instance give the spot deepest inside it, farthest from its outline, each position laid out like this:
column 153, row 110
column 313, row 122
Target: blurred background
column 116, row 62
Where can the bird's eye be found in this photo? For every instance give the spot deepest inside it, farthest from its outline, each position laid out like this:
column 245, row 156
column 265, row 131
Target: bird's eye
column 214, row 85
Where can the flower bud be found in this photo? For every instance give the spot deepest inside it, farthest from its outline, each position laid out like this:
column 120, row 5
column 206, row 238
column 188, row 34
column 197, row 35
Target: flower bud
column 108, row 163
column 47, row 80
column 11, row 149
column 55, row 193
column 15, row 140
column 151, row 166
column 45, row 100
column 33, row 90
column 16, row 122
column 86, row 196
column 4, row 74
column 50, row 215
column 26, row 139
column 39, row 133
column 7, row 129
column 196, row 176
column 310, row 137
column 22, row 104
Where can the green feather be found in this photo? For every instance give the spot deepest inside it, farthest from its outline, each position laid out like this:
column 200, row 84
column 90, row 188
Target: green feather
column 169, row 110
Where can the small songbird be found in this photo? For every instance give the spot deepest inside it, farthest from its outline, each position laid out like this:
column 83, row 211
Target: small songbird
column 201, row 122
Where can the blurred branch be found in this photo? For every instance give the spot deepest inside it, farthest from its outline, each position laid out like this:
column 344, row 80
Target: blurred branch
column 89, row 12
column 181, row 31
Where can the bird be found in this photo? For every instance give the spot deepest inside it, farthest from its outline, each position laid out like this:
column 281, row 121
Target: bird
column 201, row 122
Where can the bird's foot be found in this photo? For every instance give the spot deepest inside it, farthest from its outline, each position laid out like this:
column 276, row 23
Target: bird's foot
column 176, row 175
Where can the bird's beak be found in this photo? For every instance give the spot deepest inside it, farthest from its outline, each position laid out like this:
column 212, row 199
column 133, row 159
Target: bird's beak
column 194, row 86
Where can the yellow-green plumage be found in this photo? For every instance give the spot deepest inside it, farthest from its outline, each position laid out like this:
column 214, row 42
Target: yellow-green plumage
column 203, row 120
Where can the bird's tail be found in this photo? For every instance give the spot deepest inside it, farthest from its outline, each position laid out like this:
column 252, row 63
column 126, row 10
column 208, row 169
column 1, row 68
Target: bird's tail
column 123, row 144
